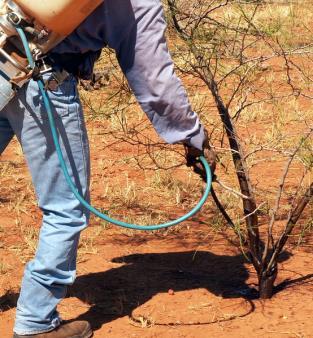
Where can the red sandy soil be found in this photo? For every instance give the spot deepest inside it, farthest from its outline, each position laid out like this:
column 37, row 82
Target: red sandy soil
column 182, row 284
column 187, row 283
column 123, row 290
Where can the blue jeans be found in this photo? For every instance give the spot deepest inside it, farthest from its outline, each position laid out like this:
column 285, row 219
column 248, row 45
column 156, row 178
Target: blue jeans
column 47, row 276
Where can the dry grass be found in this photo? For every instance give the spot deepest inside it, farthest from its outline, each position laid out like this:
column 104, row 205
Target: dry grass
column 115, row 120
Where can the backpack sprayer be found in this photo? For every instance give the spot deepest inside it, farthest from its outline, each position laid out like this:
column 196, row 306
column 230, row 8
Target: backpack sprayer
column 29, row 29
column 45, row 24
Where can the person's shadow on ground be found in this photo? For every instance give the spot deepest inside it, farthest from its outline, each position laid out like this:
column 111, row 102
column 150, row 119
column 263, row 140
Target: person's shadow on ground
column 118, row 292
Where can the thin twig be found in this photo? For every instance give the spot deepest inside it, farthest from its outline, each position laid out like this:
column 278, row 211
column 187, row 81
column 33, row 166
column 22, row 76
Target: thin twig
column 231, row 190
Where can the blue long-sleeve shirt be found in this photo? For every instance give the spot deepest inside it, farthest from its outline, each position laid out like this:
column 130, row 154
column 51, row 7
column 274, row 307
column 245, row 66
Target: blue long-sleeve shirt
column 135, row 29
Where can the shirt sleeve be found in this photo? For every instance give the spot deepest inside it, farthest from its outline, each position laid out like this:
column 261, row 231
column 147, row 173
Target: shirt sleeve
column 146, row 62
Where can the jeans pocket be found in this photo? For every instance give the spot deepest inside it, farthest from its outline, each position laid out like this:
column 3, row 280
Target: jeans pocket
column 61, row 98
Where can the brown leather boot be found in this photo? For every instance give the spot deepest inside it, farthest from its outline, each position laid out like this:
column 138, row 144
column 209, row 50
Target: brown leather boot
column 70, row 330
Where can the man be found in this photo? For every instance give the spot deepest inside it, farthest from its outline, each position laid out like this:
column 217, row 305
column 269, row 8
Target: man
column 135, row 30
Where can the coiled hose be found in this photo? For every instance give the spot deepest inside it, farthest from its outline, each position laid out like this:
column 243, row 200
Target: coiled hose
column 68, row 178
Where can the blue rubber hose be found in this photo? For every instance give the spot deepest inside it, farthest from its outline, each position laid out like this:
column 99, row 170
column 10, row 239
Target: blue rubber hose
column 68, row 178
